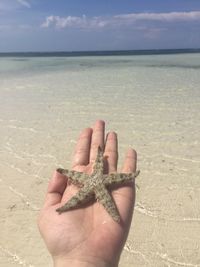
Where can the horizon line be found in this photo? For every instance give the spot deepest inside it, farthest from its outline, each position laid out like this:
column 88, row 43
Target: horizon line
column 105, row 52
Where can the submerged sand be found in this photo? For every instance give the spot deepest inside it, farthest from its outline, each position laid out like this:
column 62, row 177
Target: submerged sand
column 157, row 113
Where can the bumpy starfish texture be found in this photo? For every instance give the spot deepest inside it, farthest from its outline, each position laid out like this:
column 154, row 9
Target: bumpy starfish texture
column 95, row 185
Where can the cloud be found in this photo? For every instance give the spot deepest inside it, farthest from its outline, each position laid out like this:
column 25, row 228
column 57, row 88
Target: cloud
column 168, row 17
column 24, row 3
column 118, row 20
column 69, row 21
column 74, row 22
column 7, row 6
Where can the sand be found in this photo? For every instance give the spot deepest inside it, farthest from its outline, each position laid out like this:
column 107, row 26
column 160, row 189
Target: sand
column 155, row 113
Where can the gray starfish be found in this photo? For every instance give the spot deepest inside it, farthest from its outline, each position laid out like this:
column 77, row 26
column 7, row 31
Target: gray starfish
column 96, row 185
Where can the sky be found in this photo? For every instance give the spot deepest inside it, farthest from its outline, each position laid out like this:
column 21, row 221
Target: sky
column 89, row 25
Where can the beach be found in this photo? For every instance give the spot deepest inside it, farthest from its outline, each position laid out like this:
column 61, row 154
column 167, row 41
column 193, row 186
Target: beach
column 151, row 101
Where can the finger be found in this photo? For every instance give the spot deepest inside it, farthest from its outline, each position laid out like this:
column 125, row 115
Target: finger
column 97, row 139
column 111, row 153
column 82, row 150
column 56, row 188
column 125, row 196
column 130, row 161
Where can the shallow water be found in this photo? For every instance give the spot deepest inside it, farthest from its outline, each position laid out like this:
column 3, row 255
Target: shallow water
column 153, row 102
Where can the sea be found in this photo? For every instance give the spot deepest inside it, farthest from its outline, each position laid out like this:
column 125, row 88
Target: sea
column 151, row 99
column 135, row 92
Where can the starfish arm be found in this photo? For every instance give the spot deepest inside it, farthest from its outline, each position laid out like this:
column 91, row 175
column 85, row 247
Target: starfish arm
column 82, row 197
column 98, row 164
column 120, row 178
column 103, row 196
column 74, row 176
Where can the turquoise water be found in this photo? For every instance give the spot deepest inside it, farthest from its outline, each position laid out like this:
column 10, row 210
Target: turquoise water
column 124, row 90
column 18, row 65
column 148, row 99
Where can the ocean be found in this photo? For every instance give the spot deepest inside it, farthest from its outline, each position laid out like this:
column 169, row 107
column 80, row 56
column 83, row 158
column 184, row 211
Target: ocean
column 151, row 100
column 128, row 91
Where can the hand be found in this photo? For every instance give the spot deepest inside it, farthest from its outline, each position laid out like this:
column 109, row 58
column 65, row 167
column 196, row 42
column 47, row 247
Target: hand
column 88, row 236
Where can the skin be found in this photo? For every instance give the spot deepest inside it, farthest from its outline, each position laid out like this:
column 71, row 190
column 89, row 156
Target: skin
column 88, row 236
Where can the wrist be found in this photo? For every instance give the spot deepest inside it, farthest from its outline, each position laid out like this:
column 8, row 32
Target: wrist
column 81, row 263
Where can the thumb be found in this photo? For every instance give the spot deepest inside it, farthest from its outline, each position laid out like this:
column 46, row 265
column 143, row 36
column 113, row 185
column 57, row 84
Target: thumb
column 55, row 190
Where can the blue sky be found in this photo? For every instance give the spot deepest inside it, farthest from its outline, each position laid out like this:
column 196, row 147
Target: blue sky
column 71, row 25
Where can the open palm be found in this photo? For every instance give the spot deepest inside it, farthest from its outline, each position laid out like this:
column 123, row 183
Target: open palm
column 88, row 236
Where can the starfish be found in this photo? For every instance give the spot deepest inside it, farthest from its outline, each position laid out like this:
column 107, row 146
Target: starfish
column 97, row 185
